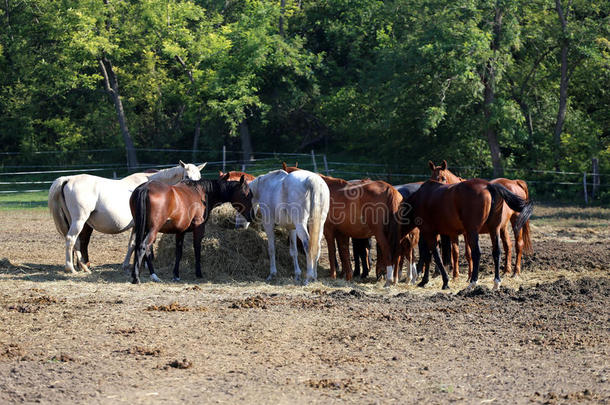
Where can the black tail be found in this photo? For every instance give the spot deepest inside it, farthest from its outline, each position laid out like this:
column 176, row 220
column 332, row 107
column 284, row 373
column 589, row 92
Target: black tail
column 516, row 203
column 140, row 196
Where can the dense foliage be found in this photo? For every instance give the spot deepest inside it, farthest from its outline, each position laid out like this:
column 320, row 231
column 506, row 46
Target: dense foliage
column 398, row 81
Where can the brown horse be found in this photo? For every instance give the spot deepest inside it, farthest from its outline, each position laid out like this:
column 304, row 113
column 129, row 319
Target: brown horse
column 361, row 210
column 462, row 208
column 523, row 241
column 185, row 207
column 236, row 176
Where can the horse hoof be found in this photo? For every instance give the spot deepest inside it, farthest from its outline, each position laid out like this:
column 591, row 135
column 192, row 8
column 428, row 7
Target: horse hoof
column 422, row 284
column 388, row 284
column 496, row 285
column 471, row 286
column 135, row 281
column 153, row 277
column 445, row 287
column 270, row 277
column 176, row 279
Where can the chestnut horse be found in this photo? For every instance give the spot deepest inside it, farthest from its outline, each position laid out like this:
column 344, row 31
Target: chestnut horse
column 240, row 222
column 185, row 207
column 361, row 210
column 462, row 208
column 523, row 241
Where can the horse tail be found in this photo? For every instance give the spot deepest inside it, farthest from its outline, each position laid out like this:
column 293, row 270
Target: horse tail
column 516, row 203
column 58, row 207
column 319, row 202
column 527, row 241
column 139, row 200
column 394, row 228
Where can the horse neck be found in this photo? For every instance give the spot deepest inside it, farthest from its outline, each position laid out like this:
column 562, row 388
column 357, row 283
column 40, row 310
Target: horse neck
column 217, row 192
column 452, row 178
column 170, row 176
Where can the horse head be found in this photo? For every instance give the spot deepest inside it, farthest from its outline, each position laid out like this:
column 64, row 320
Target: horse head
column 191, row 171
column 240, row 195
column 442, row 174
column 290, row 169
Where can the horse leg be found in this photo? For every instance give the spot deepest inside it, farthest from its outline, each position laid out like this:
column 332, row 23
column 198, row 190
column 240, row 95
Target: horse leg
column 386, row 258
column 197, row 238
column 343, row 245
column 366, row 264
column 475, row 252
column 294, row 253
column 75, row 228
column 507, row 249
column 271, row 248
column 519, row 244
column 468, row 256
column 439, row 265
column 130, row 248
column 495, row 242
column 357, row 258
column 455, row 256
column 424, row 259
column 82, row 253
column 179, row 244
column 332, row 252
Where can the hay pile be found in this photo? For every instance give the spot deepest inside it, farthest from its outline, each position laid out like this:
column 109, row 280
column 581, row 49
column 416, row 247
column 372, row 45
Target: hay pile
column 228, row 254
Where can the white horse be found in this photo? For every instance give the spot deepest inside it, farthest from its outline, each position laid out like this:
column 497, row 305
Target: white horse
column 84, row 202
column 298, row 201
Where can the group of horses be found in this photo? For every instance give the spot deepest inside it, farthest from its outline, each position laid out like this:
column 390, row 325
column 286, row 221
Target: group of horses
column 310, row 206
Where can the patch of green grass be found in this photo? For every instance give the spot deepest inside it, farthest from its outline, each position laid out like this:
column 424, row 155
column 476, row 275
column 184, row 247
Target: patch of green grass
column 24, row 200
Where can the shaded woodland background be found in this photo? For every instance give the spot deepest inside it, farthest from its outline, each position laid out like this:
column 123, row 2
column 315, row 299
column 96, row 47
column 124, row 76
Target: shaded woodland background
column 500, row 87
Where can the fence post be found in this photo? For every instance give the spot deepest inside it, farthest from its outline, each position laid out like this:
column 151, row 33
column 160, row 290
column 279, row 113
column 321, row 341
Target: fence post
column 595, row 164
column 584, row 185
column 325, row 164
column 224, row 158
column 313, row 159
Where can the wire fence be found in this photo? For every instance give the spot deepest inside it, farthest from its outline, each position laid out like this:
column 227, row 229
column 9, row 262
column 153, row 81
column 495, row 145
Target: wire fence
column 35, row 172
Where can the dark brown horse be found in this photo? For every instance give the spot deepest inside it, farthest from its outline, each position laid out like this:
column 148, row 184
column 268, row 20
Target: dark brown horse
column 185, row 207
column 462, row 208
column 361, row 210
column 523, row 241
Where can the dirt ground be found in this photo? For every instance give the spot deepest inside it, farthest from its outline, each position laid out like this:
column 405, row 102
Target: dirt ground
column 543, row 338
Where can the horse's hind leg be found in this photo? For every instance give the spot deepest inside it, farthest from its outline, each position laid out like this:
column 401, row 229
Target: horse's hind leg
column 473, row 242
column 519, row 251
column 507, row 249
column 294, row 253
column 495, row 242
column 343, row 245
column 424, row 261
column 271, row 247
column 198, row 233
column 82, row 252
column 179, row 243
column 75, row 228
column 439, row 265
column 130, row 247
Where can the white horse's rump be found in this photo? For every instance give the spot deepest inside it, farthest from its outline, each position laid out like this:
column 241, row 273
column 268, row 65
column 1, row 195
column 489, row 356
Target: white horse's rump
column 102, row 204
column 298, row 201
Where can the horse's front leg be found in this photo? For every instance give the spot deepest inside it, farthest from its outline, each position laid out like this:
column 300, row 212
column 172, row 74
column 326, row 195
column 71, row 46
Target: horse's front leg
column 343, row 245
column 130, row 247
column 439, row 265
column 271, row 248
column 179, row 242
column 294, row 253
column 424, row 258
column 197, row 238
column 332, row 252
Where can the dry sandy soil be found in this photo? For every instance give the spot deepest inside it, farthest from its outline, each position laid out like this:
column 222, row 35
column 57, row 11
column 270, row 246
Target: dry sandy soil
column 543, row 338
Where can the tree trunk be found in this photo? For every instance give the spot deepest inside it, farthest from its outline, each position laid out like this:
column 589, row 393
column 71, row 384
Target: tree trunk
column 112, row 87
column 246, row 142
column 489, row 80
column 563, row 85
column 282, row 12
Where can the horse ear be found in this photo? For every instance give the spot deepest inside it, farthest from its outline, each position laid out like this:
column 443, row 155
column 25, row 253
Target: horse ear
column 182, row 163
column 296, row 164
column 201, row 166
column 431, row 165
column 220, row 173
column 242, row 179
column 284, row 166
column 225, row 177
column 444, row 165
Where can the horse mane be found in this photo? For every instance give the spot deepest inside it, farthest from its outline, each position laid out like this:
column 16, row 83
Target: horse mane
column 165, row 174
column 215, row 189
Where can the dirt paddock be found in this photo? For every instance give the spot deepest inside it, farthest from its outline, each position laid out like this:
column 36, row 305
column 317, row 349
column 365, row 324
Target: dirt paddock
column 543, row 338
